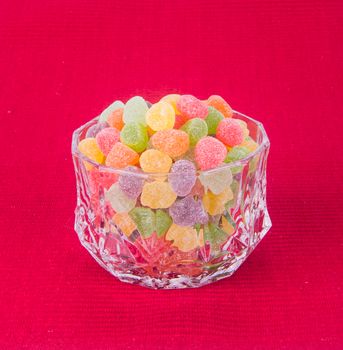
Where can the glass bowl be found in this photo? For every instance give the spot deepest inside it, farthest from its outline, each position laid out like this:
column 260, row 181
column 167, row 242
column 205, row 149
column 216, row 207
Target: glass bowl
column 173, row 256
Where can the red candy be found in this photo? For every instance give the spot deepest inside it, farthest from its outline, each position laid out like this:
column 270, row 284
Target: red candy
column 106, row 139
column 190, row 107
column 221, row 105
column 209, row 153
column 179, row 121
column 230, row 132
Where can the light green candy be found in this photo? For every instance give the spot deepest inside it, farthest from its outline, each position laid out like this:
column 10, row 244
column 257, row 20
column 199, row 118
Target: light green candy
column 148, row 221
column 135, row 110
column 111, row 108
column 216, row 180
column 212, row 120
column 196, row 129
column 118, row 199
column 236, row 153
column 135, row 136
column 215, row 235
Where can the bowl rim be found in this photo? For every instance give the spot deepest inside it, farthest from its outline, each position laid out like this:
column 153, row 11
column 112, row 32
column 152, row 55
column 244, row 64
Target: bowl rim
column 265, row 143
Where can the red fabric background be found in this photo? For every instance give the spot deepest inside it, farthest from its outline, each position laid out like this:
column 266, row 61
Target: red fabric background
column 62, row 62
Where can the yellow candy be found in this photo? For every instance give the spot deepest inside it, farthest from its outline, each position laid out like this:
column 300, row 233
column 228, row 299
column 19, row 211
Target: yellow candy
column 227, row 227
column 124, row 222
column 249, row 143
column 157, row 195
column 90, row 149
column 173, row 100
column 185, row 238
column 215, row 204
column 154, row 161
column 160, row 116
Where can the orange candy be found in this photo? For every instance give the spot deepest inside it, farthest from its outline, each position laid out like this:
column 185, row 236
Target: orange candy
column 121, row 156
column 221, row 105
column 172, row 142
column 90, row 149
column 115, row 119
column 125, row 223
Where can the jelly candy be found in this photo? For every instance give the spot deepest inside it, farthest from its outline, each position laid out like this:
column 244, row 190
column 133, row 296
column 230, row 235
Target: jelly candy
column 157, row 195
column 135, row 136
column 198, row 189
column 228, row 225
column 196, row 129
column 154, row 161
column 244, row 127
column 118, row 199
column 179, row 121
column 249, row 143
column 172, row 142
column 163, row 222
column 160, row 116
column 182, row 177
column 90, row 149
column 144, row 218
column 184, row 238
column 236, row 153
column 187, row 212
column 190, row 107
column 212, row 120
column 229, row 131
column 135, row 110
column 214, row 204
column 106, row 139
column 209, row 153
column 215, row 236
column 94, row 129
column 115, row 119
column 121, row 156
column 221, row 105
column 99, row 179
column 173, row 100
column 216, row 180
column 124, row 223
column 106, row 113
column 131, row 182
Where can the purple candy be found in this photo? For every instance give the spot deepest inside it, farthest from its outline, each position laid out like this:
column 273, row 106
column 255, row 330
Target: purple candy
column 188, row 212
column 182, row 177
column 95, row 129
column 131, row 185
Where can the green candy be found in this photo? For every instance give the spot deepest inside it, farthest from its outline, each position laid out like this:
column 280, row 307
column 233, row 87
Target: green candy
column 196, row 129
column 236, row 153
column 212, row 120
column 135, row 110
column 148, row 221
column 214, row 235
column 135, row 136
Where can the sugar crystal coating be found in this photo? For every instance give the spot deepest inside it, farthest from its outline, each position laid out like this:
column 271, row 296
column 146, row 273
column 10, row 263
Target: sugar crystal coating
column 209, row 153
column 90, row 149
column 115, row 119
column 135, row 110
column 124, row 223
column 221, row 105
column 157, row 195
column 118, row 199
column 107, row 112
column 160, row 116
column 214, row 204
column 135, row 136
column 154, row 161
column 236, row 153
column 190, row 107
column 212, row 120
column 182, row 177
column 106, row 139
column 130, row 181
column 121, row 156
column 96, row 128
column 216, row 180
column 230, row 132
column 173, row 99
column 196, row 129
column 172, row 142
column 184, row 238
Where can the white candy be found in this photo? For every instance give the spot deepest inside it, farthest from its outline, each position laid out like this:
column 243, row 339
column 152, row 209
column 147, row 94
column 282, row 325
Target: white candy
column 135, row 110
column 216, row 180
column 118, row 199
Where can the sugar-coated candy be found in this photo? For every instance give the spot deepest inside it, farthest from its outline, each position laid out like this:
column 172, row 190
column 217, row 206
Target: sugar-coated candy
column 107, row 112
column 157, row 195
column 94, row 129
column 160, row 116
column 188, row 212
column 244, row 127
column 115, row 119
column 196, row 129
column 179, row 121
column 214, row 204
column 236, row 153
column 209, row 153
column 90, row 149
column 221, row 105
column 228, row 225
column 172, row 142
column 173, row 99
column 106, row 139
column 216, row 180
column 135, row 110
column 98, row 179
column 163, row 222
column 155, row 161
column 182, row 177
column 212, row 120
column 124, row 222
column 215, row 236
column 184, row 238
column 144, row 218
column 121, row 156
column 131, row 182
column 135, row 136
column 229, row 132
column 119, row 201
column 249, row 143
column 190, row 107
column 198, row 189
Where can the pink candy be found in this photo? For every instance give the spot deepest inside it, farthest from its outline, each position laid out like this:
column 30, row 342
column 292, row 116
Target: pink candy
column 209, row 153
column 230, row 132
column 190, row 107
column 106, row 139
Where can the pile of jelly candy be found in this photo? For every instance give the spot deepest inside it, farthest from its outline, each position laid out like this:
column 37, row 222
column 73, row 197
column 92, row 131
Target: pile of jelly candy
column 173, row 183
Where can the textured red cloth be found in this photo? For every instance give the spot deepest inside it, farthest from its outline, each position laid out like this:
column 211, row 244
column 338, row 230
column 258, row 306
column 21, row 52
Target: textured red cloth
column 62, row 62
